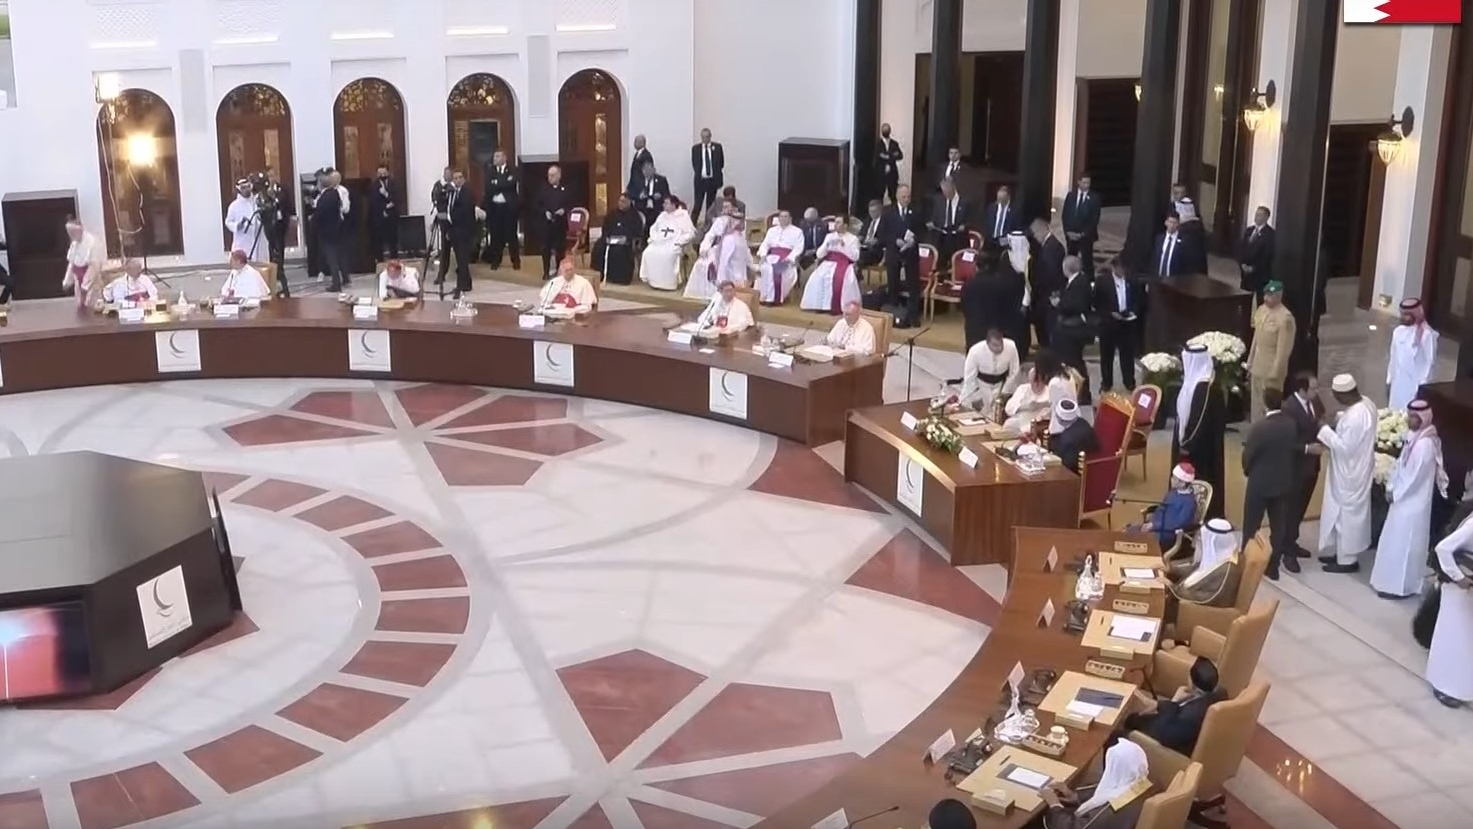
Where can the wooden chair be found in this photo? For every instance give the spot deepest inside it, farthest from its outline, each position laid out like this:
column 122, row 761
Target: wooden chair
column 756, row 232
column 974, row 240
column 1226, row 730
column 578, row 223
column 1235, row 654
column 749, row 296
column 597, row 281
column 1191, row 618
column 928, row 258
column 1202, row 495
column 963, row 267
column 268, row 273
column 770, row 220
column 1170, row 807
column 882, row 323
column 1099, row 470
column 1147, row 400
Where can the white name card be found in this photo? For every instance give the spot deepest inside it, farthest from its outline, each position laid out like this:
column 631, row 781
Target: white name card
column 837, row 820
column 1051, row 563
column 778, row 359
column 531, row 321
column 1047, row 616
column 946, row 742
column 365, row 312
column 228, row 311
column 908, row 420
column 680, row 337
column 968, row 457
column 130, row 315
column 1015, row 676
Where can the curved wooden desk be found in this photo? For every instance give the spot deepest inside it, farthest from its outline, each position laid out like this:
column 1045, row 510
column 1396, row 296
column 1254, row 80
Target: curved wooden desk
column 609, row 356
column 895, row 774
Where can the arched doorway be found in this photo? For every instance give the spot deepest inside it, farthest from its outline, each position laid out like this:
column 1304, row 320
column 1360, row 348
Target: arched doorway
column 253, row 130
column 482, row 117
column 590, row 119
column 138, row 160
column 368, row 130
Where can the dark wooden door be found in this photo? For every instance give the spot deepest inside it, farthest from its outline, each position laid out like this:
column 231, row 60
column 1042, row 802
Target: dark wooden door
column 482, row 119
column 139, row 164
column 368, row 130
column 1105, row 130
column 253, row 131
column 996, row 107
column 1347, row 190
column 591, row 124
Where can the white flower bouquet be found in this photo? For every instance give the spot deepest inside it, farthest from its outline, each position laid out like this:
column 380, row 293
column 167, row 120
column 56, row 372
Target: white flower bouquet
column 1228, row 353
column 1161, row 370
column 1384, row 464
column 938, row 433
column 1391, row 432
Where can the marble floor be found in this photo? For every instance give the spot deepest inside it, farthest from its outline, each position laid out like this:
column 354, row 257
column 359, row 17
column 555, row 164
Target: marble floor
column 468, row 607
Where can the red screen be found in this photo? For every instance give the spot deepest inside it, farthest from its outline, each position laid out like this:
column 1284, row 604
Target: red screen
column 43, row 652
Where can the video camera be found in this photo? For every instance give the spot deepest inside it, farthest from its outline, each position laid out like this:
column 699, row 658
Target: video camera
column 267, row 197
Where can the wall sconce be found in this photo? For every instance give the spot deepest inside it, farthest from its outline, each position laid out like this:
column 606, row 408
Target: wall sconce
column 1258, row 105
column 1137, row 91
column 1388, row 144
column 1217, row 90
column 142, row 150
column 105, row 91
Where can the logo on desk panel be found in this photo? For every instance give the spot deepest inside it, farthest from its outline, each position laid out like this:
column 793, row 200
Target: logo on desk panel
column 552, row 364
column 177, row 351
column 1403, row 12
column 728, row 393
column 910, row 482
column 163, row 603
column 368, row 350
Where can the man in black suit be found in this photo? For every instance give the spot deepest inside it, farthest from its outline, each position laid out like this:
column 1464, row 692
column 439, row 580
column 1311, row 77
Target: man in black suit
column 1176, row 723
column 553, row 205
column 383, row 215
column 887, row 162
column 1074, row 437
column 999, row 219
column 952, row 169
column 1076, row 326
column 501, row 203
column 1047, row 277
column 329, row 222
column 871, row 247
column 992, row 299
column 642, row 156
column 1271, row 464
column 648, row 193
column 815, row 229
column 1118, row 300
column 1081, row 220
column 280, row 228
column 1303, row 405
column 460, row 233
column 901, row 232
column 1256, row 254
column 1172, row 253
column 708, row 163
column 948, row 224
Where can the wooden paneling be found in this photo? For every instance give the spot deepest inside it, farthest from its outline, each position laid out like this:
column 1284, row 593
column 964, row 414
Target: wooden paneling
column 140, row 203
column 592, row 130
column 368, row 129
column 479, row 105
column 253, row 131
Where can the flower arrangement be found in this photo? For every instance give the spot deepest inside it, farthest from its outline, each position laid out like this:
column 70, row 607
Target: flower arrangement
column 1391, row 432
column 1161, row 370
column 1384, row 464
column 936, row 429
column 1228, row 353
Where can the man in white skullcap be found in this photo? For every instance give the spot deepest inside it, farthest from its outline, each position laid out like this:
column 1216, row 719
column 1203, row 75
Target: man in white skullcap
column 1069, row 436
column 1345, row 518
column 1401, row 555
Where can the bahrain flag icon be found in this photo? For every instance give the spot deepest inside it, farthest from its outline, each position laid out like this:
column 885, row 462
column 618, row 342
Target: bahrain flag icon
column 1403, row 12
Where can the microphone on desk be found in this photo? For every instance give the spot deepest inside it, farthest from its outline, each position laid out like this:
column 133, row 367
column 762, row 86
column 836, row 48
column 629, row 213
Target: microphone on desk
column 853, row 823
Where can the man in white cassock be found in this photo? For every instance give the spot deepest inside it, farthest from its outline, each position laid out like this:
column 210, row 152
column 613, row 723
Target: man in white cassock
column 1401, row 555
column 244, row 281
column 659, row 265
column 852, row 334
column 990, row 373
column 835, row 282
column 568, row 293
column 1345, row 518
column 777, row 260
column 397, row 281
column 1413, row 351
column 724, row 256
column 85, row 258
column 726, row 313
column 134, row 286
column 243, row 221
column 1450, row 659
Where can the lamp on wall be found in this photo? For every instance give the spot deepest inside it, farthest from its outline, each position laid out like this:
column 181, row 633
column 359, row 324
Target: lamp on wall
column 1258, row 105
column 105, row 91
column 1388, row 144
column 1137, row 91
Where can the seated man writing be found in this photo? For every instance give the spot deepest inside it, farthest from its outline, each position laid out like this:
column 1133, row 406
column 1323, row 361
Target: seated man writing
column 852, row 334
column 568, row 292
column 133, row 286
column 1177, row 722
column 726, row 314
column 397, row 281
column 1114, row 803
column 1177, row 512
column 1211, row 577
column 244, row 281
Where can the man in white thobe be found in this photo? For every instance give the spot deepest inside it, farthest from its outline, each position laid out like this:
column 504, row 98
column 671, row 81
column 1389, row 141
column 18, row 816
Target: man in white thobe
column 724, row 257
column 1345, row 519
column 726, row 313
column 243, row 221
column 1401, row 555
column 397, row 281
column 777, row 260
column 659, row 265
column 852, row 334
column 1413, row 351
column 568, row 293
column 134, row 286
column 990, row 372
column 244, row 281
column 85, row 258
column 1450, row 659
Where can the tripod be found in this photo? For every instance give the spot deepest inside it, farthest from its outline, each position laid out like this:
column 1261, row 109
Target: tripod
column 434, row 251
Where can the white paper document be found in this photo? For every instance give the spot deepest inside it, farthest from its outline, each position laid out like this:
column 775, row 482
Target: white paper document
column 1027, row 777
column 1138, row 573
column 1134, row 628
column 1084, row 709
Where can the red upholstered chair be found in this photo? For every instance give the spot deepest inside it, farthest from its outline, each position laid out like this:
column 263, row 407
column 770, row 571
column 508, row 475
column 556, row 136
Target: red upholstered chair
column 928, row 257
column 1100, row 470
column 578, row 236
column 1146, row 400
column 963, row 267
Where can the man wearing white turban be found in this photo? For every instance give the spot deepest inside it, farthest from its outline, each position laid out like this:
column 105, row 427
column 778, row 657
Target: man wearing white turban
column 1345, row 518
column 1069, row 436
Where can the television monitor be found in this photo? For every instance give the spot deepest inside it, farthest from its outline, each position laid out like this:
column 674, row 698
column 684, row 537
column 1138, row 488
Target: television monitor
column 44, row 652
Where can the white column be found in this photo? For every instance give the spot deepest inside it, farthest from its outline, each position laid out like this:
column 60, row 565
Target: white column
column 1406, row 208
column 1275, row 49
column 898, row 48
column 1066, row 101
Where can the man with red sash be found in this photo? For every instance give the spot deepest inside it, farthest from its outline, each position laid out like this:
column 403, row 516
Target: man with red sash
column 777, row 260
column 568, row 292
column 84, row 262
column 835, row 282
column 133, row 286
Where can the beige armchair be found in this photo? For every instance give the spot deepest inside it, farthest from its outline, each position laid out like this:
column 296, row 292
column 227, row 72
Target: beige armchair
column 1220, row 747
column 1235, row 655
column 1189, row 616
column 1170, row 807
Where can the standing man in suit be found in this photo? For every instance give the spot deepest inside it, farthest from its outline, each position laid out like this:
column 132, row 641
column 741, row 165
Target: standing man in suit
column 1256, row 254
column 1271, row 464
column 900, row 233
column 501, row 203
column 1171, row 254
column 648, row 193
column 948, row 223
column 642, row 156
column 708, row 163
column 1047, row 277
column 329, row 221
column 1118, row 302
column 383, row 216
column 459, row 222
column 1075, row 329
column 1081, row 220
column 953, row 167
column 1305, row 408
column 887, row 162
column 999, row 219
column 279, row 229
column 553, row 205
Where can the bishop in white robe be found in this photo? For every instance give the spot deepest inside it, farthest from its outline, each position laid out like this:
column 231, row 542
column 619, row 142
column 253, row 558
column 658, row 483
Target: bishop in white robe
column 1450, row 659
column 724, row 257
column 990, row 372
column 244, row 223
column 134, row 286
column 397, row 281
column 1413, row 351
column 1401, row 555
column 85, row 258
column 1345, row 518
column 244, row 281
column 852, row 334
column 777, row 260
column 835, row 281
column 569, row 292
column 659, row 265
column 726, row 313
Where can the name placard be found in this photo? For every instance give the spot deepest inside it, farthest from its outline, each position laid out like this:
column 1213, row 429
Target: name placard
column 130, row 315
column 778, row 359
column 228, row 311
column 908, row 420
column 531, row 321
column 365, row 312
column 968, row 457
column 680, row 337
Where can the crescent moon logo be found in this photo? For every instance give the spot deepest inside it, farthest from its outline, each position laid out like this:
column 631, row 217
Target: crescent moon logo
column 724, row 389
column 163, row 608
column 363, row 344
column 910, row 482
column 174, row 347
column 547, row 355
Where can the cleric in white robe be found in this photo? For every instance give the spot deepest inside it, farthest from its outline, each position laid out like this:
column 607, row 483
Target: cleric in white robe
column 1413, row 351
column 134, row 286
column 1450, row 659
column 990, row 372
column 243, row 221
column 1345, row 518
column 1401, row 555
column 659, row 265
column 726, row 313
column 85, row 258
column 852, row 334
column 835, row 282
column 397, row 281
column 777, row 260
column 568, row 292
column 244, row 281
column 724, row 257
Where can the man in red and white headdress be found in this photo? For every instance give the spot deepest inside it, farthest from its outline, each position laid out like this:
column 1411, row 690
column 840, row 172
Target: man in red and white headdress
column 85, row 259
column 1178, row 510
column 1413, row 351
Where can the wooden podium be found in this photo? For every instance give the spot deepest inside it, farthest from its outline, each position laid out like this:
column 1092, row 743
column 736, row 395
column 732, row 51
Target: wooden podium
column 35, row 229
column 1181, row 307
column 813, row 172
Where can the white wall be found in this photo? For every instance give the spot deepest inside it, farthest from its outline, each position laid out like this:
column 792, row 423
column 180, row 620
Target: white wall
column 1112, row 38
column 900, row 37
column 1365, row 80
column 756, row 84
column 646, row 44
column 1274, row 64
